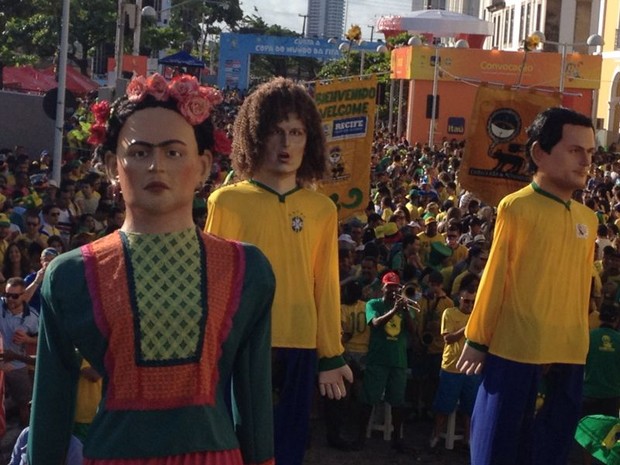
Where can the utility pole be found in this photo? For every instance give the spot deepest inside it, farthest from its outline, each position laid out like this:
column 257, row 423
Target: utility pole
column 303, row 28
column 372, row 30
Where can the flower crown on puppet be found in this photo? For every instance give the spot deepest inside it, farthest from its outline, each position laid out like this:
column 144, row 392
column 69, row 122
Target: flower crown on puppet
column 194, row 102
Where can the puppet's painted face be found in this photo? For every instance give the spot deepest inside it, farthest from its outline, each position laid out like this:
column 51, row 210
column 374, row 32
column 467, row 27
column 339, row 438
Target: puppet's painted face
column 157, row 162
column 284, row 149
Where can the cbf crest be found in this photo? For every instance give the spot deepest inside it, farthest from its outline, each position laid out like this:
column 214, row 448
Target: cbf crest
column 296, row 221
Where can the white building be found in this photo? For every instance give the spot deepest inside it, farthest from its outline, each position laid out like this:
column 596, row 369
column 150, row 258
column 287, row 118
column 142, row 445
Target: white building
column 466, row 7
column 325, row 18
column 564, row 21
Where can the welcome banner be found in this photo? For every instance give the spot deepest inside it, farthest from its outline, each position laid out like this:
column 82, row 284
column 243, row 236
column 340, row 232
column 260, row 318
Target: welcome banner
column 495, row 163
column 348, row 110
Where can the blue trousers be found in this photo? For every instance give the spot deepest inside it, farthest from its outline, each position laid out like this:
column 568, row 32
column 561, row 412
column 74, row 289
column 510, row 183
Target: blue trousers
column 294, row 377
column 505, row 428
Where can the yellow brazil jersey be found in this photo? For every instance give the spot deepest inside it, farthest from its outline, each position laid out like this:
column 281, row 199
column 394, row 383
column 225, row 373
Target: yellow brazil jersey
column 87, row 398
column 452, row 320
column 458, row 255
column 298, row 233
column 532, row 303
column 353, row 319
column 428, row 321
column 425, row 245
column 413, row 211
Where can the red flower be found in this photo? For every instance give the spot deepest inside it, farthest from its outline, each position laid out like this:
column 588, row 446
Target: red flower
column 223, row 145
column 101, row 110
column 195, row 107
column 157, row 87
column 97, row 134
column 137, row 89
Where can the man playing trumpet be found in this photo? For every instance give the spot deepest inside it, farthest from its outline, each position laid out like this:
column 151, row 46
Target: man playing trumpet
column 389, row 318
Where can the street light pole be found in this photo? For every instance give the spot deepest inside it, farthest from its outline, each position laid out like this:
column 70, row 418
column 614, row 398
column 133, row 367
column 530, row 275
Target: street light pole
column 62, row 87
column 303, row 27
column 431, row 130
column 562, row 68
column 120, row 41
column 138, row 28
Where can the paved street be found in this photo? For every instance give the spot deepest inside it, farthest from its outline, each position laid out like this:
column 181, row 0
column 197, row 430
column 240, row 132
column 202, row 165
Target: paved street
column 376, row 451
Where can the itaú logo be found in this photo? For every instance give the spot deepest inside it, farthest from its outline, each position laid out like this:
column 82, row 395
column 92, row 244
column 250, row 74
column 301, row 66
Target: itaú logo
column 505, row 67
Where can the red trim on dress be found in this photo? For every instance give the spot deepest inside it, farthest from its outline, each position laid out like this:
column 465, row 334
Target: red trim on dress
column 220, row 457
column 133, row 387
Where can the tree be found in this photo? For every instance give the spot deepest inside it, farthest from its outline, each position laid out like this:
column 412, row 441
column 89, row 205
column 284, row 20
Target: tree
column 194, row 19
column 377, row 63
column 31, row 30
column 91, row 25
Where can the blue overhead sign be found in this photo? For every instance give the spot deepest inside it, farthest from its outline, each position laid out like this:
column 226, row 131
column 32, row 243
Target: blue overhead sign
column 236, row 49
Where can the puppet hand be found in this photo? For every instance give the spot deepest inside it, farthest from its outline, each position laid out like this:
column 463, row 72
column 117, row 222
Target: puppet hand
column 471, row 361
column 331, row 382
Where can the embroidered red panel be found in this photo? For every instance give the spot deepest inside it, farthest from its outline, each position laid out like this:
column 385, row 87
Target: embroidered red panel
column 133, row 387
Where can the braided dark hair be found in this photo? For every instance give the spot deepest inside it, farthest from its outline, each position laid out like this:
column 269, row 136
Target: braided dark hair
column 122, row 109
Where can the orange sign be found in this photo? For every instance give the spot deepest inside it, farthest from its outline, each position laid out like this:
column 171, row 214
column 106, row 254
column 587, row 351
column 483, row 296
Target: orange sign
column 495, row 161
column 539, row 69
column 131, row 64
column 400, row 63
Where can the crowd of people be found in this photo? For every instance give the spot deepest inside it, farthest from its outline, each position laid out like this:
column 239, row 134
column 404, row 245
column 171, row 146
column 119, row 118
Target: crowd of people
column 409, row 266
column 437, row 237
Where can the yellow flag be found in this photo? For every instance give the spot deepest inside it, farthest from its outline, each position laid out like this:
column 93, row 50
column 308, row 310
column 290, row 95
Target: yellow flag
column 348, row 109
column 495, row 163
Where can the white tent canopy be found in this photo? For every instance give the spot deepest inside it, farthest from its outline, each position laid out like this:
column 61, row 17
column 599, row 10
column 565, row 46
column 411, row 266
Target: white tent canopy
column 439, row 23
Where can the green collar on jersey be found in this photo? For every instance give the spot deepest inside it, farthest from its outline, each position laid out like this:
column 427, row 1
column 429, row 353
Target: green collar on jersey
column 538, row 189
column 281, row 197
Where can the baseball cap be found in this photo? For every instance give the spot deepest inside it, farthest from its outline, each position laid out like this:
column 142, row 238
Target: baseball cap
column 430, row 219
column 390, row 278
column 50, row 251
column 479, row 238
column 346, row 238
column 389, row 229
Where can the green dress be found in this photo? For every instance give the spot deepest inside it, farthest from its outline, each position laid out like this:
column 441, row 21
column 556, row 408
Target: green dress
column 168, row 320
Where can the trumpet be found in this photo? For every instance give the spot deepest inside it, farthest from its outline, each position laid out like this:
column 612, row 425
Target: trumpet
column 407, row 296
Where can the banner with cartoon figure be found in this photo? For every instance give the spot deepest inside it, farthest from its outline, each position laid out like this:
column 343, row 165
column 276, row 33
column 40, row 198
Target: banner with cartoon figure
column 348, row 108
column 495, row 163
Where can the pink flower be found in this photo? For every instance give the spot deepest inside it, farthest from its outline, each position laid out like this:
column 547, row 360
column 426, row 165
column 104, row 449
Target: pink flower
column 137, row 89
column 195, row 108
column 97, row 134
column 213, row 95
column 157, row 87
column 182, row 86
